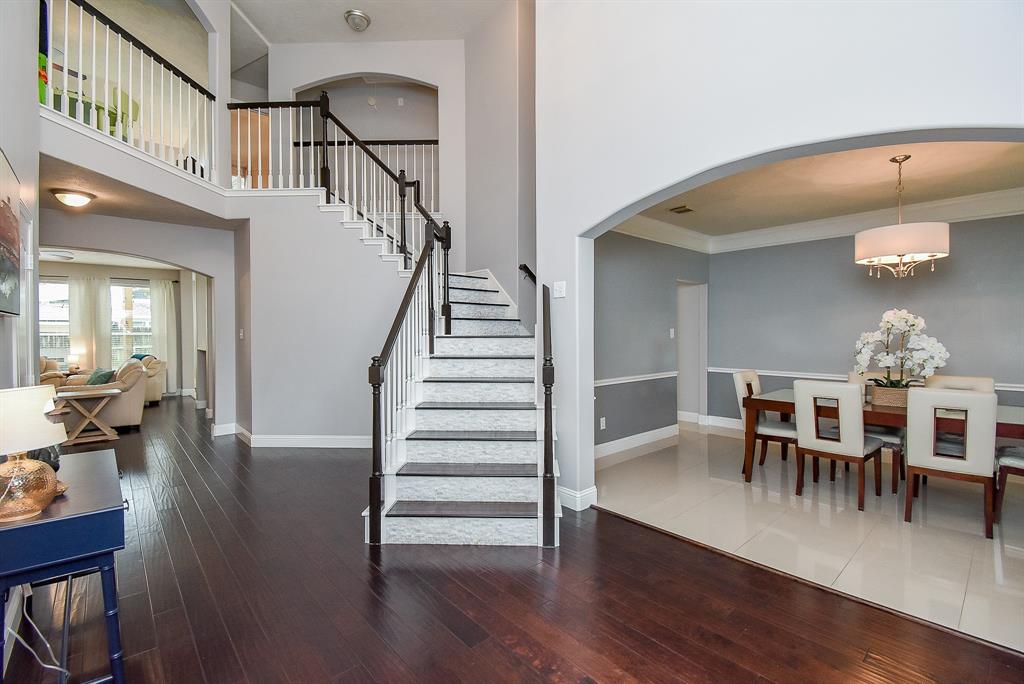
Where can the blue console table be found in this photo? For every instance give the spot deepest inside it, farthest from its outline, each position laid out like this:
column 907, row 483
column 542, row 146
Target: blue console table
column 76, row 535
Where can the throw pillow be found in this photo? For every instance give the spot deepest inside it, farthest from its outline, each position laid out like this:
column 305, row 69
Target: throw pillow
column 100, row 377
column 140, row 356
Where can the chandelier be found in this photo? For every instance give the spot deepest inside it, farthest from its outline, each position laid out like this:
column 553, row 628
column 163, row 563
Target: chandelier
column 902, row 246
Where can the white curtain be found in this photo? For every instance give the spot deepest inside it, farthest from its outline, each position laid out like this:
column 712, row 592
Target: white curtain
column 90, row 321
column 165, row 328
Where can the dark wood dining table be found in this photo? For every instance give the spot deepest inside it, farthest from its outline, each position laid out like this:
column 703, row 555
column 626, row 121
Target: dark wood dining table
column 1009, row 419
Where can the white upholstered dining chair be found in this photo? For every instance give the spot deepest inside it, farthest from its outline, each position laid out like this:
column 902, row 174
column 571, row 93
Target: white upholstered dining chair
column 893, row 439
column 747, row 384
column 971, row 459
column 843, row 442
column 961, row 382
column 1009, row 461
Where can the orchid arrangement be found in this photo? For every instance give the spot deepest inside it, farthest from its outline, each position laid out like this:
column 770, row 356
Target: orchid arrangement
column 899, row 346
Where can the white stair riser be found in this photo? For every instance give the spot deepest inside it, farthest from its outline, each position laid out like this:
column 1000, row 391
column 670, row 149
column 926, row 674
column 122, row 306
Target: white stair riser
column 486, row 531
column 471, row 451
column 478, row 391
column 480, row 368
column 481, row 311
column 443, row 488
column 465, row 281
column 467, row 295
column 509, row 327
column 485, row 346
column 476, row 419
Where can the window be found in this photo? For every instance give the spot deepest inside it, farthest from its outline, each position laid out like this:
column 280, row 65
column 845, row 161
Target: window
column 131, row 321
column 54, row 320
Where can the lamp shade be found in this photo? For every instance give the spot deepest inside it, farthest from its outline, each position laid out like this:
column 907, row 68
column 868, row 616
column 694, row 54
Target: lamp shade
column 23, row 422
column 904, row 242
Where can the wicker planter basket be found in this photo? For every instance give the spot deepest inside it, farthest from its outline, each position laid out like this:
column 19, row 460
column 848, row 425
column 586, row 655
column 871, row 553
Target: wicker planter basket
column 889, row 396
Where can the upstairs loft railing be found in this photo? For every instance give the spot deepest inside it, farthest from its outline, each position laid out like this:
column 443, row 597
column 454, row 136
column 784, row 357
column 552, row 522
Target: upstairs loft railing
column 97, row 73
column 302, row 144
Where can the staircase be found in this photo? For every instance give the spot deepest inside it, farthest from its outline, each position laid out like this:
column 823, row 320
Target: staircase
column 469, row 468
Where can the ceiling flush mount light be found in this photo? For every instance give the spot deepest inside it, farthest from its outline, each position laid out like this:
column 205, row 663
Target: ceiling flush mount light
column 900, row 247
column 73, row 198
column 357, row 20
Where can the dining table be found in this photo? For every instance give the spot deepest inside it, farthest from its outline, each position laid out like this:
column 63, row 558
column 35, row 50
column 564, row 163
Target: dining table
column 1009, row 419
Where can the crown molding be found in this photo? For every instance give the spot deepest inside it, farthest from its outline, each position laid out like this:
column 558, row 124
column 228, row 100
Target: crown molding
column 646, row 228
column 952, row 210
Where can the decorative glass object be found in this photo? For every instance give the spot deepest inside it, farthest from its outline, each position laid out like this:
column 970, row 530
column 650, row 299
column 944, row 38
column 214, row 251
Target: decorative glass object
column 26, row 487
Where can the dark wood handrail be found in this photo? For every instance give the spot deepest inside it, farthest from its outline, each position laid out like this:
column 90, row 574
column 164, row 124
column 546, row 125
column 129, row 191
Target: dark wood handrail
column 350, row 143
column 153, row 54
column 528, row 272
column 284, row 104
column 548, row 380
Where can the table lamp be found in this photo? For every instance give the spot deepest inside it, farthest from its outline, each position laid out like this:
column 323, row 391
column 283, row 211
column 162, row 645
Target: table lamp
column 27, row 486
column 73, row 362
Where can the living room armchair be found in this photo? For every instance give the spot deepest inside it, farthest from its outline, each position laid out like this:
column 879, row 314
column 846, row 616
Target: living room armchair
column 156, row 378
column 126, row 408
column 49, row 373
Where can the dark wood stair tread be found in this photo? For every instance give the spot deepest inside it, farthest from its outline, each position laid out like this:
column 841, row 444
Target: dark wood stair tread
column 459, row 318
column 471, row 289
column 470, row 469
column 484, row 380
column 480, row 303
column 478, row 405
column 481, row 356
column 485, row 337
column 466, row 275
column 474, row 435
column 463, row 509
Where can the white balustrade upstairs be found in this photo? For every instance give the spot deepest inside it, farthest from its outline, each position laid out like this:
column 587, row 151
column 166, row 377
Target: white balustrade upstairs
column 98, row 74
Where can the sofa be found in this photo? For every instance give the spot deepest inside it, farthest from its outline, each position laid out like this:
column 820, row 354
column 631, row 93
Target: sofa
column 156, row 378
column 124, row 410
column 49, row 373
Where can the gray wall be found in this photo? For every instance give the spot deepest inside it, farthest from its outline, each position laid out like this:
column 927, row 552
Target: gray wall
column 243, row 321
column 801, row 307
column 635, row 300
column 527, row 134
column 416, row 119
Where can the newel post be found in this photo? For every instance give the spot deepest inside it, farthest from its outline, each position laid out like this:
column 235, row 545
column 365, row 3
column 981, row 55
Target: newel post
column 446, row 305
column 401, row 211
column 376, row 377
column 325, row 170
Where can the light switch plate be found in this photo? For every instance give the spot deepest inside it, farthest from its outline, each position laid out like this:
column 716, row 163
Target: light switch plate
column 558, row 289
column 671, row 333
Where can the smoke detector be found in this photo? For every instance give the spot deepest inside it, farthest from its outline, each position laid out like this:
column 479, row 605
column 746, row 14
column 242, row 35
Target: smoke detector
column 357, row 20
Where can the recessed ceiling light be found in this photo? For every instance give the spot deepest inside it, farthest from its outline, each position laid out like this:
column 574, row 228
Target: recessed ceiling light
column 56, row 255
column 73, row 198
column 681, row 209
column 357, row 20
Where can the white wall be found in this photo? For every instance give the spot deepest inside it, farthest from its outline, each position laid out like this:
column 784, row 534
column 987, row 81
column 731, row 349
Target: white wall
column 414, row 119
column 441, row 63
column 204, row 250
column 630, row 108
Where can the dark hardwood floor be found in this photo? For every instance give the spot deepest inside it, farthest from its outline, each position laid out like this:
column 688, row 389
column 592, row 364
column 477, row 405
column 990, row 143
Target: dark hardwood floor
column 249, row 566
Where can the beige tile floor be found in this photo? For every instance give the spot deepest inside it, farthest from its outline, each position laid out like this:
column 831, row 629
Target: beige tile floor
column 940, row 567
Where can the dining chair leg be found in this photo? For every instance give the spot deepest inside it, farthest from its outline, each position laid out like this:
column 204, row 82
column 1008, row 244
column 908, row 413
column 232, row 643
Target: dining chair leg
column 897, row 461
column 784, row 447
column 903, row 465
column 1000, row 492
column 764, row 451
column 799, row 472
column 917, row 483
column 908, row 506
column 814, row 469
column 832, row 470
column 924, row 480
column 846, row 466
column 860, row 485
column 878, row 472
column 989, row 486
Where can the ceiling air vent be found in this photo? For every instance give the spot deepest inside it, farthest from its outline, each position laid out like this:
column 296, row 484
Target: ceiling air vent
column 681, row 209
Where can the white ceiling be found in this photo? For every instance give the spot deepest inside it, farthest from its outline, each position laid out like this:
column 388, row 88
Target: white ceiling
column 842, row 183
column 114, row 198
column 81, row 256
column 322, row 21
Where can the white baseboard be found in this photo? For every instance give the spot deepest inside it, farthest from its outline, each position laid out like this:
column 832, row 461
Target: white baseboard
column 723, row 422
column 306, row 441
column 191, row 392
column 219, row 429
column 209, row 412
column 200, row 404
column 633, row 441
column 688, row 416
column 577, row 500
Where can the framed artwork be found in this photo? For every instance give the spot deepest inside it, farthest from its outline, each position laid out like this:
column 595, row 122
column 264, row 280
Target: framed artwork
column 10, row 241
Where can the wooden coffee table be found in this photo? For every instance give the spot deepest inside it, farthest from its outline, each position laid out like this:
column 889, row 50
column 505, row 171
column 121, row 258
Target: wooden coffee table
column 97, row 399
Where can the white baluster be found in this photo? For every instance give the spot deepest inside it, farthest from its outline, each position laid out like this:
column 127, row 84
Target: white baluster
column 65, row 101
column 337, row 169
column 119, row 126
column 163, row 139
column 238, row 146
column 131, row 95
column 291, row 149
column 259, row 143
column 152, row 108
column 49, row 55
column 189, row 156
column 280, row 149
column 180, row 127
column 80, row 109
column 312, row 150
column 248, row 149
column 92, row 74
